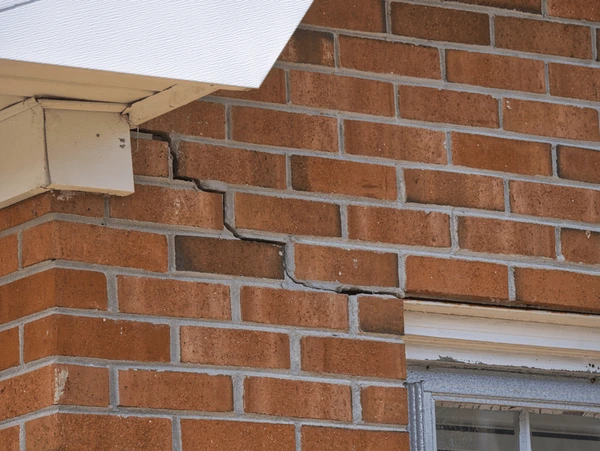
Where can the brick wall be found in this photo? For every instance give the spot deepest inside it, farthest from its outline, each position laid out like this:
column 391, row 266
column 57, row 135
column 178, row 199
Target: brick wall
column 249, row 295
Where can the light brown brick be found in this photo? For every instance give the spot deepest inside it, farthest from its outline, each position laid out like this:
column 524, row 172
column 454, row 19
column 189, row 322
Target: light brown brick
column 70, row 432
column 235, row 166
column 9, row 437
column 353, row 357
column 346, row 266
column 294, row 308
column 150, row 157
column 9, row 343
column 537, row 36
column 284, row 215
column 94, row 244
column 574, row 9
column 581, row 246
column 55, row 287
column 457, row 190
column 198, row 118
column 181, row 207
column 337, row 439
column 456, row 279
column 388, row 225
column 219, row 435
column 334, row 92
column 9, row 254
column 282, row 129
column 343, row 177
column 551, row 201
column 297, row 399
column 388, row 405
column 271, row 90
column 394, row 58
column 529, row 6
column 394, row 142
column 577, row 82
column 495, row 71
column 381, row 315
column 232, row 257
column 309, row 47
column 101, row 338
column 499, row 154
column 175, row 391
column 440, row 24
column 557, row 290
column 231, row 347
column 175, row 298
column 437, row 105
column 362, row 15
column 579, row 164
column 496, row 236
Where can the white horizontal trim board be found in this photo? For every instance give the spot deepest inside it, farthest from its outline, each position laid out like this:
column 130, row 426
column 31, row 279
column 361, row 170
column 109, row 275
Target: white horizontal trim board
column 462, row 334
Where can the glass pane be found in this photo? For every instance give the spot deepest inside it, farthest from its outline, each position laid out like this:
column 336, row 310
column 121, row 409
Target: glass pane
column 570, row 431
column 460, row 429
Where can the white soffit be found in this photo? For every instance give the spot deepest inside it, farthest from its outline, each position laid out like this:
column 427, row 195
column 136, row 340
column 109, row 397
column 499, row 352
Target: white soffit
column 461, row 334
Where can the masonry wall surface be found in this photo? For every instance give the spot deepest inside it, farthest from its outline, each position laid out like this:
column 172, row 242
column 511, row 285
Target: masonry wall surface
column 249, row 295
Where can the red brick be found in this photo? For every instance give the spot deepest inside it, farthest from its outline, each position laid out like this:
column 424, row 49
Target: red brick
column 575, row 9
column 395, row 58
column 362, row 15
column 337, row 439
column 53, row 385
column 495, row 71
column 289, row 216
column 235, row 166
column 70, row 432
column 9, row 343
column 499, row 154
column 336, row 92
column 218, row 435
column 197, row 119
column 171, row 390
column 170, row 206
column 232, row 257
column 9, row 254
column 351, row 267
column 394, row 142
column 271, row 90
column 456, row 279
column 343, row 177
column 52, row 288
column 353, row 357
column 282, row 129
column 496, row 236
column 294, row 308
column 231, row 347
column 101, row 338
column 388, row 225
column 297, row 399
column 437, row 105
column 537, row 36
column 440, row 24
column 381, row 315
column 557, row 290
column 94, row 244
column 457, row 190
column 309, row 47
column 551, row 201
column 150, row 157
column 81, row 204
column 176, row 298
column 581, row 246
column 577, row 82
column 579, row 164
column 529, row 6
column 388, row 405
column 9, row 437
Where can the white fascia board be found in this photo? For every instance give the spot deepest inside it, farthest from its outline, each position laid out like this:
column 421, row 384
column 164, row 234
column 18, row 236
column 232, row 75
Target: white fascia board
column 232, row 43
column 461, row 334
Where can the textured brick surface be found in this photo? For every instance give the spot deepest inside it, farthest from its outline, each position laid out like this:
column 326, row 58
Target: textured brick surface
column 384, row 405
column 150, row 157
column 336, row 439
column 574, row 9
column 197, row 118
column 581, row 246
column 9, row 437
column 9, row 343
column 530, row 6
column 271, row 90
column 310, row 47
column 381, row 315
column 579, row 164
column 362, row 15
column 9, row 254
